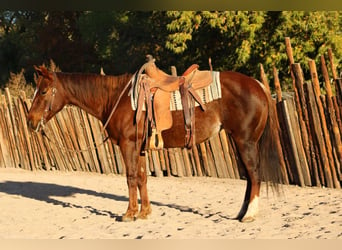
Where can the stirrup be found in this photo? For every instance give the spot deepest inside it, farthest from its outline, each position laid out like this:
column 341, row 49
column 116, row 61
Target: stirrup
column 156, row 140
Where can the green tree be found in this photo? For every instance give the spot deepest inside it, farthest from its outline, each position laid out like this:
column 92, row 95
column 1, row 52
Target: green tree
column 239, row 40
column 118, row 41
column 225, row 36
column 121, row 39
column 32, row 37
column 311, row 33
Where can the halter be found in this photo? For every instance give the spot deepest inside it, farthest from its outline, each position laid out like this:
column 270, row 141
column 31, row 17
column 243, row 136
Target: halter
column 48, row 105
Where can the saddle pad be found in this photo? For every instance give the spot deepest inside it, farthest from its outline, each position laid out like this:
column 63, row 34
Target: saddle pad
column 134, row 91
column 207, row 94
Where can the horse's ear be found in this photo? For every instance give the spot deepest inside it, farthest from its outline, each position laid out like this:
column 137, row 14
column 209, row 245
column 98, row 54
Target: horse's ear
column 43, row 71
column 38, row 70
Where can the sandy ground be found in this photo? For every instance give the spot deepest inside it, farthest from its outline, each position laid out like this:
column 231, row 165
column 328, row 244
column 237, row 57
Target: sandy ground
column 58, row 205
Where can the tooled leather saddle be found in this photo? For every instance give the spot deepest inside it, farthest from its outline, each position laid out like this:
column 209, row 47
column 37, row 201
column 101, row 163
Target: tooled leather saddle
column 154, row 95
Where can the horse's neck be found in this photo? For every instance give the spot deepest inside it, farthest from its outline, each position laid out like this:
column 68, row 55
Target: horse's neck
column 92, row 94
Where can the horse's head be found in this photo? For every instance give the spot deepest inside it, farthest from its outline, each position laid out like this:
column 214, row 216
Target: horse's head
column 47, row 99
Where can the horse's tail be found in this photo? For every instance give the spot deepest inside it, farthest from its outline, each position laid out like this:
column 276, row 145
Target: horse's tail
column 271, row 161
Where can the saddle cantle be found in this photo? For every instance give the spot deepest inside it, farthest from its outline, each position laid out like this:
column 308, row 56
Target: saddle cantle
column 155, row 90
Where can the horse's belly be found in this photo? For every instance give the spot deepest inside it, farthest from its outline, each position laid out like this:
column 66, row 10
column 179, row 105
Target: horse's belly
column 207, row 124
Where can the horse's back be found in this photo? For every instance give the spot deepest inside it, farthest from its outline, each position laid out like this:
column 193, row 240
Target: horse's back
column 241, row 85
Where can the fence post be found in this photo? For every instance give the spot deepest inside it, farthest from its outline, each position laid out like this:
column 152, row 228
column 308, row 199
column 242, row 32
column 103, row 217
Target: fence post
column 324, row 142
column 303, row 127
column 303, row 119
column 336, row 137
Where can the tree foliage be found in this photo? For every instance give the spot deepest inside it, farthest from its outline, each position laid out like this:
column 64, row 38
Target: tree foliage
column 240, row 40
column 118, row 41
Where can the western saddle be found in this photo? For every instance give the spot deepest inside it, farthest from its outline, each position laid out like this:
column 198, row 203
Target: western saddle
column 155, row 88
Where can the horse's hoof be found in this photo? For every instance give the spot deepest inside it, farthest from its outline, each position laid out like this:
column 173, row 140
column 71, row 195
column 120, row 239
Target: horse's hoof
column 128, row 217
column 247, row 219
column 144, row 214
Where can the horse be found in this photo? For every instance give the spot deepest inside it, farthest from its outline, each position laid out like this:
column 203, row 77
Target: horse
column 245, row 111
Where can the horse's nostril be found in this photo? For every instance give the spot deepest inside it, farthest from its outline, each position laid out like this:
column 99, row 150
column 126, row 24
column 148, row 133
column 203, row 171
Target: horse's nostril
column 30, row 124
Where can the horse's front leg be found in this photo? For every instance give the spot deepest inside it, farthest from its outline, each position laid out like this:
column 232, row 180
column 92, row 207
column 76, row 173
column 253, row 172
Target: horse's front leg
column 145, row 209
column 136, row 177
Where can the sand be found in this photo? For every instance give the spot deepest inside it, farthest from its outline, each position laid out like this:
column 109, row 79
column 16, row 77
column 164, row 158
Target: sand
column 77, row 205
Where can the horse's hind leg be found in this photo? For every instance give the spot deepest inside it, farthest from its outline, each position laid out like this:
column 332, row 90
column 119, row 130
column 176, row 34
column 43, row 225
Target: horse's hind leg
column 249, row 154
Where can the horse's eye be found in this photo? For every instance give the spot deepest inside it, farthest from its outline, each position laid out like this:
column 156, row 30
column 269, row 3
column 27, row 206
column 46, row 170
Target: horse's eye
column 43, row 92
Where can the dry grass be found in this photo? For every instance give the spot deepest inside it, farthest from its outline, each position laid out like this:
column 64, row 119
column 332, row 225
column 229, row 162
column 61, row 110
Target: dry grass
column 18, row 83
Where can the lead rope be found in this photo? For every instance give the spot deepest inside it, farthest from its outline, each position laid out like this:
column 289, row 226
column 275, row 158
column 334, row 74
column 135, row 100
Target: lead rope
column 63, row 148
column 116, row 104
column 104, row 127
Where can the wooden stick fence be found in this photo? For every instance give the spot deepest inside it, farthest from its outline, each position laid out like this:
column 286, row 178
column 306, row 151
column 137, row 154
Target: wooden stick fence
column 310, row 126
column 310, row 138
column 72, row 130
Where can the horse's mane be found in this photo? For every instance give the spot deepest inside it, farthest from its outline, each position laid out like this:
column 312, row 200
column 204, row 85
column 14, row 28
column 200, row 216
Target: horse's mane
column 86, row 85
column 101, row 89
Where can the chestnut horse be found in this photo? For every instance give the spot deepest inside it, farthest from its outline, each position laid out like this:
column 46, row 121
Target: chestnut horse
column 245, row 111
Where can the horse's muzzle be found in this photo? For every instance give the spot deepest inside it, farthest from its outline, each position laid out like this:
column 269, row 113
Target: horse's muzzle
column 33, row 126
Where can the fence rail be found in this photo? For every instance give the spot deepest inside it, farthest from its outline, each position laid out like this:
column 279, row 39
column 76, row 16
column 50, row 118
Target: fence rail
column 310, row 138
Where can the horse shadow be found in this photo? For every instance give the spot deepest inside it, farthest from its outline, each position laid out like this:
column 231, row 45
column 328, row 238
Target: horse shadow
column 45, row 191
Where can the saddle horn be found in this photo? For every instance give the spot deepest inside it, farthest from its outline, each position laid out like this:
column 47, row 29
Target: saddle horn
column 150, row 60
